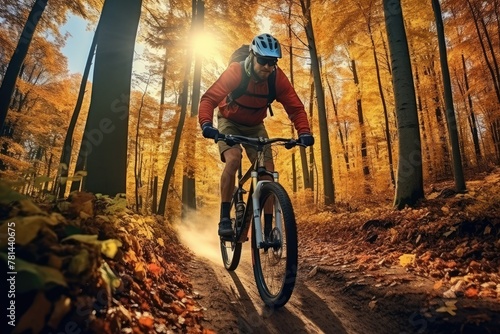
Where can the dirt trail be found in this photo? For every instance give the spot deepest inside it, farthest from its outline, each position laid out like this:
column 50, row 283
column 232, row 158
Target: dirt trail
column 327, row 299
column 233, row 304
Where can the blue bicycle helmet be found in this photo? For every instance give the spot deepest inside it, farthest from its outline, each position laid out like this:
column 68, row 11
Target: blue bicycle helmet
column 265, row 45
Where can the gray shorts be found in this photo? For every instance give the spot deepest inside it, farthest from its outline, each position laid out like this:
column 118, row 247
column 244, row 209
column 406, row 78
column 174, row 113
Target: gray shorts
column 228, row 127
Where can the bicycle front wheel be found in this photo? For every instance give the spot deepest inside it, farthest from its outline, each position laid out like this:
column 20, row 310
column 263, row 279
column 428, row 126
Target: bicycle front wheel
column 275, row 267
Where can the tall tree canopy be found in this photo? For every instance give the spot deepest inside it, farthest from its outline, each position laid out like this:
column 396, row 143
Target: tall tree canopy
column 358, row 118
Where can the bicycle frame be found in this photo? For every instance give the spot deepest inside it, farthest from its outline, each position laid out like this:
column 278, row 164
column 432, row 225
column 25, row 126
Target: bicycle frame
column 252, row 208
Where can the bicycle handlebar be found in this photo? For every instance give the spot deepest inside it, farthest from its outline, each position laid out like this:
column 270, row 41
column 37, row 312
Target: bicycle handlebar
column 259, row 141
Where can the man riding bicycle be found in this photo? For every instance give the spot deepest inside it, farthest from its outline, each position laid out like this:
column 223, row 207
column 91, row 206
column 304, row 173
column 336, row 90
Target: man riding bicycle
column 245, row 115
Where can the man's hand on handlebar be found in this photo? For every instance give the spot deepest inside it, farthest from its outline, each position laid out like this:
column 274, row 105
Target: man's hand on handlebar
column 209, row 131
column 306, row 139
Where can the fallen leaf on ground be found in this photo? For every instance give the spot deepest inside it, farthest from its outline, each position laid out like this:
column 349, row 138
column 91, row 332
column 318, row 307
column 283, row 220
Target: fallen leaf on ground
column 449, row 306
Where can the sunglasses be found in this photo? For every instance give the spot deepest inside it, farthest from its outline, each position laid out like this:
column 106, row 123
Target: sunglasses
column 270, row 61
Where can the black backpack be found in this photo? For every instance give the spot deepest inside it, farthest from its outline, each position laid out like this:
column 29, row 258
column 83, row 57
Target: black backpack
column 239, row 55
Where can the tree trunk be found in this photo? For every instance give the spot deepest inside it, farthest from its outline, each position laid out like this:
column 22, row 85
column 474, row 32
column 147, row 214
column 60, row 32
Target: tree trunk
column 17, row 60
column 472, row 116
column 440, row 120
column 183, row 99
column 154, row 167
column 495, row 133
column 137, row 155
column 448, row 97
column 420, row 110
column 409, row 184
column 312, row 160
column 106, row 130
column 359, row 108
column 337, row 122
column 303, row 153
column 326, row 155
column 495, row 75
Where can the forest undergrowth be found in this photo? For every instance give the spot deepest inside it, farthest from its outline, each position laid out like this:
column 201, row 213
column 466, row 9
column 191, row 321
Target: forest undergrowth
column 90, row 264
column 445, row 250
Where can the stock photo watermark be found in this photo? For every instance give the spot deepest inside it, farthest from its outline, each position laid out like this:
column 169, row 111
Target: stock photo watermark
column 11, row 274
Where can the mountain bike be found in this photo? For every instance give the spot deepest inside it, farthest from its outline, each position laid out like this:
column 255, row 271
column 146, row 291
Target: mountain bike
column 274, row 247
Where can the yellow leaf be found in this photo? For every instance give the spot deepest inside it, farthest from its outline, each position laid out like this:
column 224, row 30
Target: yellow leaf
column 449, row 307
column 140, row 271
column 110, row 247
column 130, row 256
column 407, row 259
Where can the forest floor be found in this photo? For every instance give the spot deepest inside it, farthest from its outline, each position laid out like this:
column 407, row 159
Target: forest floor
column 90, row 265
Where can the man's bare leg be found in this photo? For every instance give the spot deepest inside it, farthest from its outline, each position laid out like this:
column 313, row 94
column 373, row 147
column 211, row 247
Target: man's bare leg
column 232, row 158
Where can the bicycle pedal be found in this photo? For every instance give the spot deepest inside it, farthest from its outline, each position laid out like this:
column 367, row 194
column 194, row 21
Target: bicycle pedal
column 226, row 238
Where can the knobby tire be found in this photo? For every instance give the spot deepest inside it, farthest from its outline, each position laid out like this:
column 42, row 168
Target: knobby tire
column 275, row 271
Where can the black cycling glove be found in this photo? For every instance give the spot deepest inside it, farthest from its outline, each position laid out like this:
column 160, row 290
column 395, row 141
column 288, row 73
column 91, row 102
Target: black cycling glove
column 209, row 131
column 306, row 139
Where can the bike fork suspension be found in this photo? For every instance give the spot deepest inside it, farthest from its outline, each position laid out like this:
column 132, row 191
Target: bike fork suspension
column 257, row 209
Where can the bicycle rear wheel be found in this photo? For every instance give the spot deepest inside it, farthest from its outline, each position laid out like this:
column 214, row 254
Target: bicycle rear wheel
column 230, row 249
column 275, row 268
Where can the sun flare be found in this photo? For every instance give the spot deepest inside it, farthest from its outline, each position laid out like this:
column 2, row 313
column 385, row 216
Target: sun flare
column 204, row 44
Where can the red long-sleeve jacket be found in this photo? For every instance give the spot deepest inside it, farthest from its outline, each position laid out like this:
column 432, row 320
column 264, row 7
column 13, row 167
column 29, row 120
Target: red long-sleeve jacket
column 229, row 80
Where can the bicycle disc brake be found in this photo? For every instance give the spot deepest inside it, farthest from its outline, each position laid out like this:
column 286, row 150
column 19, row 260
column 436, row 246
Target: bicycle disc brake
column 276, row 244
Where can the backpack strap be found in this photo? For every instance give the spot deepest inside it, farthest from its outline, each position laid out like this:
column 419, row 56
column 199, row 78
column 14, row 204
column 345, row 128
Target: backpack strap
column 242, row 87
column 271, row 84
column 242, row 90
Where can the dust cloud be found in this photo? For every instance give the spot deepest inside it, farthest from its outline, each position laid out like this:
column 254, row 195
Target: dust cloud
column 198, row 232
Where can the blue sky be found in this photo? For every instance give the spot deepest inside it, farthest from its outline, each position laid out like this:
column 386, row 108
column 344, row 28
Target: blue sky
column 78, row 44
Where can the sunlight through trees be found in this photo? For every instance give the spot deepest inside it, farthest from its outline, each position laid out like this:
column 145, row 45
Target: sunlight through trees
column 339, row 55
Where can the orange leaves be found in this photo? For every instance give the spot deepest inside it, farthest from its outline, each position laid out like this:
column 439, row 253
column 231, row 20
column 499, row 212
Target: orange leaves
column 451, row 240
column 471, row 292
column 147, row 322
column 438, row 285
column 177, row 308
column 152, row 294
column 155, row 269
column 180, row 294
